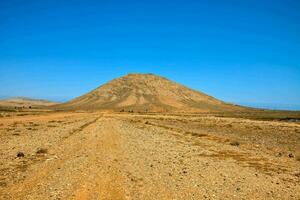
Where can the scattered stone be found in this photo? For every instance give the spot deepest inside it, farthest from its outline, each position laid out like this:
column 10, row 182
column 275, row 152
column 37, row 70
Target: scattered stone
column 291, row 155
column 20, row 154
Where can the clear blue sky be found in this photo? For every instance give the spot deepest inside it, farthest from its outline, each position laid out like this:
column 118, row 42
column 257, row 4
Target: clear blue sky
column 241, row 51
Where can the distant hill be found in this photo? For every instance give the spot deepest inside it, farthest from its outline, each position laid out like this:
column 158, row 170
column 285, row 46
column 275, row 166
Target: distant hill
column 21, row 102
column 146, row 93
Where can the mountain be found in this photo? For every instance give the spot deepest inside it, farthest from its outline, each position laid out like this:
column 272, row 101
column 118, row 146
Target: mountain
column 146, row 93
column 25, row 102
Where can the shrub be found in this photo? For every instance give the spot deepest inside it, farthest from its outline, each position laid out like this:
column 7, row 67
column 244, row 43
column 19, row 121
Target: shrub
column 234, row 143
column 41, row 151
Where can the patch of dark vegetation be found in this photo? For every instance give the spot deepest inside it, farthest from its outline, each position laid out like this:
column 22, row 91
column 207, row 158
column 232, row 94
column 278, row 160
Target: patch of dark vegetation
column 289, row 119
column 33, row 124
column 55, row 121
column 41, row 151
column 22, row 114
column 234, row 143
column 31, row 129
column 265, row 115
column 51, row 126
column 3, row 184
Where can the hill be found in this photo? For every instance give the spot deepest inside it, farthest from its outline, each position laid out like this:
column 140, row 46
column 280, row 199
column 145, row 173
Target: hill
column 23, row 102
column 146, row 93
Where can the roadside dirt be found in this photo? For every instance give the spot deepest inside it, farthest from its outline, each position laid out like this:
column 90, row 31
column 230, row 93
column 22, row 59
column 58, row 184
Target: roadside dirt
column 123, row 156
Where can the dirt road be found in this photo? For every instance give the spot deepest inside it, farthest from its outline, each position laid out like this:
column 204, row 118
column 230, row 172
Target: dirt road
column 114, row 156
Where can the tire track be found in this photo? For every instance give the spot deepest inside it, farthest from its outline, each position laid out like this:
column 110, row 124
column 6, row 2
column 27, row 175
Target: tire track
column 21, row 189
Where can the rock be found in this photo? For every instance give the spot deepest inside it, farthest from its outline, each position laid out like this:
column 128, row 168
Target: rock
column 291, row 155
column 279, row 154
column 20, row 154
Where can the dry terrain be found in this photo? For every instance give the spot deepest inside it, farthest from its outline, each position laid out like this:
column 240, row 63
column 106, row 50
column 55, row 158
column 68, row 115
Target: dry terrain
column 101, row 155
column 147, row 93
column 142, row 136
column 22, row 103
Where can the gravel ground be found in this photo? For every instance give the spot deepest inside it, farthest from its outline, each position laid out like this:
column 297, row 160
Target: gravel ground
column 123, row 156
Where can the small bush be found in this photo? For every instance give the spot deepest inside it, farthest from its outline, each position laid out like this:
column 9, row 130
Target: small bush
column 235, row 143
column 41, row 151
column 51, row 126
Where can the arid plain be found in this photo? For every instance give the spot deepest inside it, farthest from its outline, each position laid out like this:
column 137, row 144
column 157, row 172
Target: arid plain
column 141, row 149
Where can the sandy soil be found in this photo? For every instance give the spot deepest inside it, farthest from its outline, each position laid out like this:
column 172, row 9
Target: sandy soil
column 122, row 156
column 22, row 102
